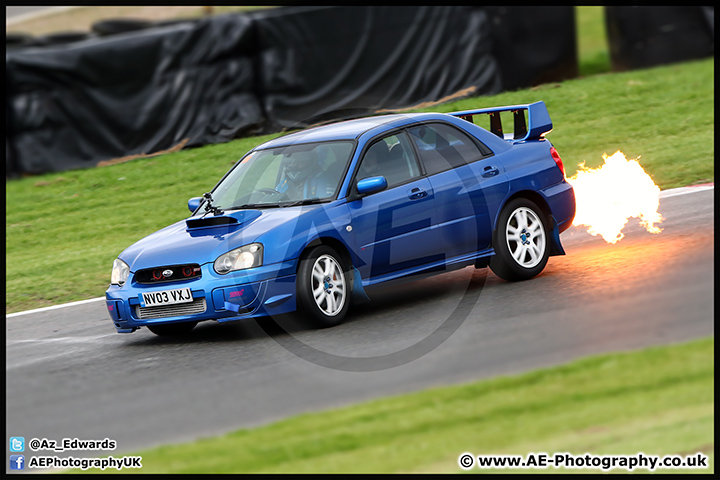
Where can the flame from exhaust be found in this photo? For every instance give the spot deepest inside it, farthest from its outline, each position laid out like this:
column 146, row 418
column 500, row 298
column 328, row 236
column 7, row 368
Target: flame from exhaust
column 606, row 197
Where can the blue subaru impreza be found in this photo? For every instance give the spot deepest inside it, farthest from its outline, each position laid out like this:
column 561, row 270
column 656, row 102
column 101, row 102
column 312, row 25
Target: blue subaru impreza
column 305, row 221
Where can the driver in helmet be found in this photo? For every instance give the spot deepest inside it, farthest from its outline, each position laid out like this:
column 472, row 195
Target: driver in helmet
column 297, row 168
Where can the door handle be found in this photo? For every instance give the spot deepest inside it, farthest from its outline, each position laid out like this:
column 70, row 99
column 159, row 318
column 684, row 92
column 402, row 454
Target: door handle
column 490, row 172
column 417, row 193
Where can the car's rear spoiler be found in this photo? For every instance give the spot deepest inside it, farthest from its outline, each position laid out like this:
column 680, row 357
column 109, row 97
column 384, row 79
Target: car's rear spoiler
column 538, row 120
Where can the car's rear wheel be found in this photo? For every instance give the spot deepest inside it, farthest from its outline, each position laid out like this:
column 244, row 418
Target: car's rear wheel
column 172, row 329
column 323, row 287
column 520, row 242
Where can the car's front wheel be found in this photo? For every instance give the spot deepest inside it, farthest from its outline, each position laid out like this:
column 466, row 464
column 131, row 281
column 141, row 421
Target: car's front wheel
column 323, row 287
column 171, row 329
column 520, row 242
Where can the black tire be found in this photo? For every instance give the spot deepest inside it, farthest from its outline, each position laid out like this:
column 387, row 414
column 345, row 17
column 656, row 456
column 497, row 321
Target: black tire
column 334, row 301
column 18, row 39
column 61, row 38
column 119, row 25
column 175, row 21
column 530, row 243
column 172, row 329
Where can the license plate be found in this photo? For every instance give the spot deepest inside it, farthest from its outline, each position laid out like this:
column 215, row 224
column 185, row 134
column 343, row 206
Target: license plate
column 165, row 297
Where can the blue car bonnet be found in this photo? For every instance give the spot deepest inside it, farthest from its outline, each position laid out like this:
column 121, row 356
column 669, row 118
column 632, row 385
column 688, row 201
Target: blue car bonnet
column 201, row 240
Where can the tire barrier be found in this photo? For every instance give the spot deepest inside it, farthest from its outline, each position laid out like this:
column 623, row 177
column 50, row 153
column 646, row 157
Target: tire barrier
column 119, row 25
column 62, row 38
column 327, row 63
column 73, row 106
column 642, row 36
column 534, row 45
column 133, row 87
column 18, row 39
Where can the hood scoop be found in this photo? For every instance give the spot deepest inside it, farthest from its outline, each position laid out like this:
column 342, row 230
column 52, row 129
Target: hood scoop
column 210, row 222
column 229, row 220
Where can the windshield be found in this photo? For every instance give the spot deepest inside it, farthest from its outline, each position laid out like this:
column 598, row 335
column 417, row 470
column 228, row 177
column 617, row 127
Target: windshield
column 284, row 176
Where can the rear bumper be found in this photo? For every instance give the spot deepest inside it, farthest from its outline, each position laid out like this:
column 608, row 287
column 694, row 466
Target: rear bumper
column 561, row 200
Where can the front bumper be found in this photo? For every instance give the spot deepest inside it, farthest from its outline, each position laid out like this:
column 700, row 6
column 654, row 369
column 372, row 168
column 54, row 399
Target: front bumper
column 256, row 292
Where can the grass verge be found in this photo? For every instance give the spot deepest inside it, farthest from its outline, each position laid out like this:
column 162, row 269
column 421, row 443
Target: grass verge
column 63, row 230
column 592, row 43
column 658, row 401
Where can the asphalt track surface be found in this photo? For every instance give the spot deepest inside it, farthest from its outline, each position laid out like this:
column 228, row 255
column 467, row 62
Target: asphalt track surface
column 69, row 375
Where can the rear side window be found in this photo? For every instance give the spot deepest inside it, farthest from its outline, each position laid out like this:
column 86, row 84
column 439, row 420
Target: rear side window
column 443, row 147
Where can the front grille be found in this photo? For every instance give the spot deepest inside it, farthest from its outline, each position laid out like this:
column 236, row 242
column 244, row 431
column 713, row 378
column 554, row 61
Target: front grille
column 176, row 272
column 198, row 305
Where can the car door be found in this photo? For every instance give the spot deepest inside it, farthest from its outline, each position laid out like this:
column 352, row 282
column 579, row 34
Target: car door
column 393, row 228
column 468, row 182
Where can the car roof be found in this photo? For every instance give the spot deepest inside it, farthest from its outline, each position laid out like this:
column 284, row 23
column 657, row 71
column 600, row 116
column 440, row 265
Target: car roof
column 344, row 130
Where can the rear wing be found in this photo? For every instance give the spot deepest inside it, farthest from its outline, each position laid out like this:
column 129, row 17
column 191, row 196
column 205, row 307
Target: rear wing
column 538, row 120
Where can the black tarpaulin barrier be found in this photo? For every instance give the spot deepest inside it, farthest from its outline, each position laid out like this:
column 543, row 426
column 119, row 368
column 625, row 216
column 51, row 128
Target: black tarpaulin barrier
column 321, row 63
column 75, row 105
column 218, row 78
column 534, row 44
column 647, row 36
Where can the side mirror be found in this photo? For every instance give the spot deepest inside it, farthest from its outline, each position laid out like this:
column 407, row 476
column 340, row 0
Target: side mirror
column 194, row 203
column 370, row 185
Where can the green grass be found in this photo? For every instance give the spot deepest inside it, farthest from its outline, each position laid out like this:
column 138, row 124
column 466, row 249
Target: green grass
column 658, row 401
column 63, row 230
column 593, row 54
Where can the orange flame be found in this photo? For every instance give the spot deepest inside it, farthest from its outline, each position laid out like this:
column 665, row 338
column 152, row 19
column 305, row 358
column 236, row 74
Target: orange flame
column 606, row 197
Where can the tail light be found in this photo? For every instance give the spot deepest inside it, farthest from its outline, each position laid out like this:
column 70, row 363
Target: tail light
column 558, row 160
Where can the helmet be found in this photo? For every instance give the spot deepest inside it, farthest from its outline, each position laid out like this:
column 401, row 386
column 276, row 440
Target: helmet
column 299, row 165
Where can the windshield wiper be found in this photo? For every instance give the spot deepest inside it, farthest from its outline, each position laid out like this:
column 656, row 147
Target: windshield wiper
column 307, row 201
column 253, row 205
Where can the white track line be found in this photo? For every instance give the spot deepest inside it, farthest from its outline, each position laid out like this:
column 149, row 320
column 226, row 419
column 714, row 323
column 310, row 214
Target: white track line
column 663, row 194
column 54, row 307
column 673, row 192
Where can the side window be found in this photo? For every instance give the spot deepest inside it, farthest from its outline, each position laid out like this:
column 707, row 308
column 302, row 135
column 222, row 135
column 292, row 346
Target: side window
column 391, row 157
column 443, row 147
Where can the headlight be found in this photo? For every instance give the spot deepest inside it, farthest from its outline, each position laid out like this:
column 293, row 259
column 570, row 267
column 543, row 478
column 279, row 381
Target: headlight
column 120, row 272
column 244, row 257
